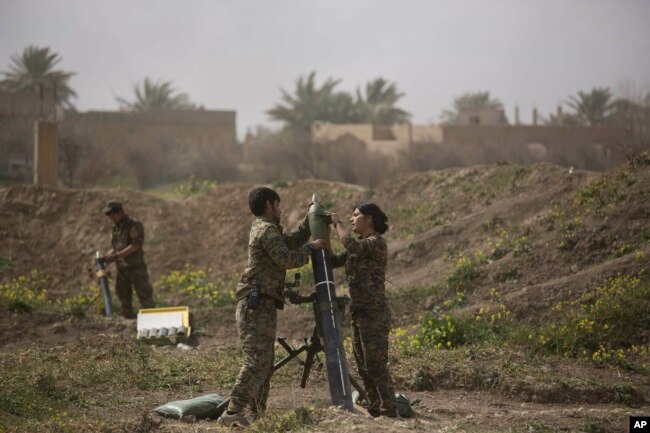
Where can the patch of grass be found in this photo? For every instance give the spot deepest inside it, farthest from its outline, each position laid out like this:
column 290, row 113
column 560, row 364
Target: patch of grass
column 492, row 224
column 6, row 262
column 506, row 276
column 645, row 234
column 571, row 231
column 599, row 322
column 41, row 384
column 24, row 293
column 447, row 331
column 464, row 271
column 194, row 282
column 294, row 420
column 598, row 193
column 77, row 306
column 279, row 184
column 192, row 187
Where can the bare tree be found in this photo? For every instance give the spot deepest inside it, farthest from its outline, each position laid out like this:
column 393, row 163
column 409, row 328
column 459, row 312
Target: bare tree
column 72, row 149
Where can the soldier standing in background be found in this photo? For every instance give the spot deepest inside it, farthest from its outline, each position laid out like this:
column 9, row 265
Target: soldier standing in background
column 127, row 239
column 365, row 259
column 259, row 295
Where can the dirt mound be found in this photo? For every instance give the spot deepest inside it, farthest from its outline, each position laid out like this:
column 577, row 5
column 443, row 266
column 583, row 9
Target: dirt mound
column 538, row 229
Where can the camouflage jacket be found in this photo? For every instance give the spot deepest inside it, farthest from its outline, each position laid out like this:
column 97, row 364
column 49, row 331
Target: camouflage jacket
column 365, row 262
column 128, row 232
column 270, row 254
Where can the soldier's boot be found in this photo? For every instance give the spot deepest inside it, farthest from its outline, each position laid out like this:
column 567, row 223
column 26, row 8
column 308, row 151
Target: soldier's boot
column 388, row 403
column 374, row 402
column 127, row 313
column 228, row 419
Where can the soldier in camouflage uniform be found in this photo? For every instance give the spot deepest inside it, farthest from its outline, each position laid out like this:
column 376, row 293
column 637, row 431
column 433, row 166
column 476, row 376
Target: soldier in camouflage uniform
column 365, row 260
column 270, row 254
column 127, row 238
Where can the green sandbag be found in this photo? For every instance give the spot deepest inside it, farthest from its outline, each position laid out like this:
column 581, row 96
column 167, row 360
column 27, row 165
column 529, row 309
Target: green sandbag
column 201, row 407
column 402, row 403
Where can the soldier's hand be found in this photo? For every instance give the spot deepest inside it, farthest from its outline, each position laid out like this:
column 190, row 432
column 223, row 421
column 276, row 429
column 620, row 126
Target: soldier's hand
column 334, row 218
column 318, row 244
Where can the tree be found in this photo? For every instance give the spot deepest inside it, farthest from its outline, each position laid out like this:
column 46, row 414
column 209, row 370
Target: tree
column 377, row 106
column 311, row 103
column 633, row 113
column 34, row 68
column 469, row 101
column 593, row 108
column 72, row 150
column 151, row 95
column 568, row 119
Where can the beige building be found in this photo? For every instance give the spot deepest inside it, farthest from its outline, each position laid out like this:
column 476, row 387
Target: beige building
column 462, row 145
column 141, row 148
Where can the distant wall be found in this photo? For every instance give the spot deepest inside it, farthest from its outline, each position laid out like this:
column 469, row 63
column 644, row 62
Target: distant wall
column 452, row 145
column 156, row 146
column 583, row 147
column 386, row 140
column 150, row 147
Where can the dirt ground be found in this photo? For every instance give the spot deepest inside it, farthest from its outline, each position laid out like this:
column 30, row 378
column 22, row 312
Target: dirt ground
column 433, row 216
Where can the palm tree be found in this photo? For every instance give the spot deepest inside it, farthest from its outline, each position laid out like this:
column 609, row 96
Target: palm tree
column 469, row 101
column 311, row 103
column 33, row 69
column 151, row 95
column 378, row 104
column 593, row 108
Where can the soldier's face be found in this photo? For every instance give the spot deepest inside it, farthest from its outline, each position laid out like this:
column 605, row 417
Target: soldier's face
column 116, row 217
column 361, row 223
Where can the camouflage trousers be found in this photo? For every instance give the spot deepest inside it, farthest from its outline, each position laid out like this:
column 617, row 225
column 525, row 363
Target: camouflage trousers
column 257, row 335
column 370, row 345
column 133, row 278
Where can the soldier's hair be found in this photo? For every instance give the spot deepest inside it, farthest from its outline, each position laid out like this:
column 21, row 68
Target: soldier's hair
column 258, row 197
column 379, row 218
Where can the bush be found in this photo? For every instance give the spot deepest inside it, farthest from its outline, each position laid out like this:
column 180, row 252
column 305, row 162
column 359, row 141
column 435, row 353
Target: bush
column 194, row 282
column 465, row 271
column 447, row 331
column 599, row 323
column 24, row 293
column 77, row 306
column 192, row 187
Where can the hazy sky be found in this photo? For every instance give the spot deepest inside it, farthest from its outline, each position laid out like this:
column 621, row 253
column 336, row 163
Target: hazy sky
column 237, row 54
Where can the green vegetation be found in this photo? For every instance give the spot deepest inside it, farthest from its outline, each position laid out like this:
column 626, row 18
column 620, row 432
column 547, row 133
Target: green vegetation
column 154, row 95
column 36, row 67
column 192, row 187
column 48, row 384
column 603, row 324
column 195, row 285
column 311, row 103
column 24, row 293
column 77, row 306
column 294, row 420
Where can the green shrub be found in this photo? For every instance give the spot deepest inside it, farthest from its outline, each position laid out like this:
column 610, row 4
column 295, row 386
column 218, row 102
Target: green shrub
column 77, row 306
column 465, row 271
column 194, row 282
column 24, row 293
column 192, row 186
column 291, row 421
column 278, row 184
column 599, row 323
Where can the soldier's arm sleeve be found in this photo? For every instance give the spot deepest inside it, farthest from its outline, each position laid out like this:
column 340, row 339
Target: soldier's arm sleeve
column 299, row 237
column 360, row 247
column 339, row 259
column 273, row 243
column 136, row 235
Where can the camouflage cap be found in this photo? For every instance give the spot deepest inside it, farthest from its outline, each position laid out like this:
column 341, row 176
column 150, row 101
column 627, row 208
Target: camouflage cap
column 112, row 206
